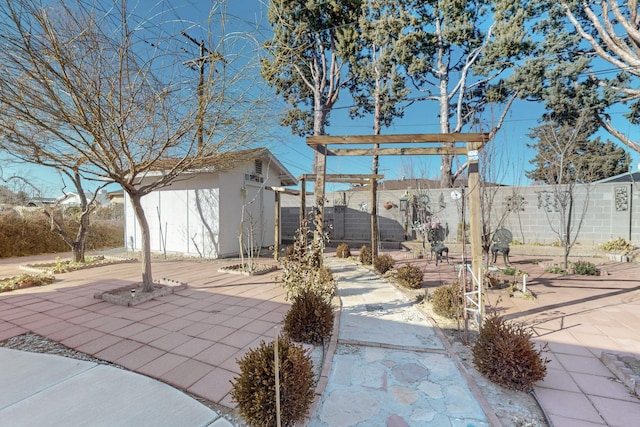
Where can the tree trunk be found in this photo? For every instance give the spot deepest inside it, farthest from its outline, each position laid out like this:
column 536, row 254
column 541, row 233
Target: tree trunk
column 446, row 163
column 80, row 245
column 145, row 255
column 567, row 232
column 374, row 170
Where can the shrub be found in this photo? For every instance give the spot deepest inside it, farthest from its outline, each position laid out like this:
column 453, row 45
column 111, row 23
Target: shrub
column 31, row 235
column 556, row 270
column 366, row 255
column 24, row 281
column 288, row 252
column 512, row 271
column 255, row 388
column 466, row 229
column 383, row 263
column 302, row 268
column 505, row 354
column 447, row 299
column 310, row 318
column 410, row 276
column 343, row 251
column 618, row 244
column 585, row 268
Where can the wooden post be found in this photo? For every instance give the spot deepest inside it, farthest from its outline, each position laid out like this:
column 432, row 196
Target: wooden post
column 321, row 170
column 303, row 200
column 276, row 243
column 373, row 183
column 475, row 217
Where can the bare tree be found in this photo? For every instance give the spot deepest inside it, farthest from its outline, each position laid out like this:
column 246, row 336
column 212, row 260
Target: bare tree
column 77, row 242
column 109, row 93
column 561, row 206
column 494, row 211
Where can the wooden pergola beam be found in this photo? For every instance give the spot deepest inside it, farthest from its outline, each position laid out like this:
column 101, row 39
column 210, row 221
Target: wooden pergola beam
column 398, row 139
column 432, row 151
column 342, row 178
column 284, row 190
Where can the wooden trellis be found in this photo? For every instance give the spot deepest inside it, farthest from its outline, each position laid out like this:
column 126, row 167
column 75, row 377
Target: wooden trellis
column 452, row 144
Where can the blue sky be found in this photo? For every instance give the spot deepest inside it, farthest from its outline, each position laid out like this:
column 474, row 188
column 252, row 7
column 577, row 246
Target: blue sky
column 510, row 142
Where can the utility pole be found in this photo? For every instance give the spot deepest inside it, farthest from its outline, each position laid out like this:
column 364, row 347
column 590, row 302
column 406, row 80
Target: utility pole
column 205, row 56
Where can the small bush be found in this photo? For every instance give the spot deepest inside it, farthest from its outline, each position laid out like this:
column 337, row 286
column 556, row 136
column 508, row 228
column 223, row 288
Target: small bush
column 343, row 251
column 255, row 388
column 366, row 255
column 460, row 231
column 447, row 299
column 410, row 276
column 618, row 244
column 512, row 271
column 585, row 268
column 556, row 270
column 505, row 354
column 302, row 269
column 383, row 263
column 310, row 318
column 24, row 281
column 288, row 252
column 325, row 277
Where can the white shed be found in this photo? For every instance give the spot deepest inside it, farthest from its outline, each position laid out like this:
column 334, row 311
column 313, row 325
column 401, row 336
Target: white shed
column 201, row 213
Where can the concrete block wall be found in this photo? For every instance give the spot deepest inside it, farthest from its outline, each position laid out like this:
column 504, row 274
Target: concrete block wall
column 608, row 211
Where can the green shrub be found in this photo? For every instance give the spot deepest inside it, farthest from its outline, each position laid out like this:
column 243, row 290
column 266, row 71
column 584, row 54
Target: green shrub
column 310, row 318
column 383, row 263
column 410, row 276
column 556, row 270
column 618, row 244
column 585, row 268
column 255, row 388
column 505, row 354
column 343, row 251
column 366, row 255
column 447, row 300
column 512, row 271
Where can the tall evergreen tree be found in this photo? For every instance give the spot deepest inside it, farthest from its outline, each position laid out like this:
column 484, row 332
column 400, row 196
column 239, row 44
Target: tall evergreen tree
column 377, row 83
column 306, row 58
column 582, row 159
column 464, row 56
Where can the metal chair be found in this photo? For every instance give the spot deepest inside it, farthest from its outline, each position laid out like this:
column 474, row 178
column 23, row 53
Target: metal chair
column 436, row 236
column 501, row 239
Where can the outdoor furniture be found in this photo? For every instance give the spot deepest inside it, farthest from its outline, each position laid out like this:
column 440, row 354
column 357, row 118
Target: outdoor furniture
column 501, row 239
column 436, row 236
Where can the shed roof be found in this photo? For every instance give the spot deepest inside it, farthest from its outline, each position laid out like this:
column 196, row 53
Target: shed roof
column 623, row 177
column 225, row 161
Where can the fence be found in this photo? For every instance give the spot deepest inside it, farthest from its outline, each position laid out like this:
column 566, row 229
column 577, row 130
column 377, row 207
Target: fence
column 609, row 211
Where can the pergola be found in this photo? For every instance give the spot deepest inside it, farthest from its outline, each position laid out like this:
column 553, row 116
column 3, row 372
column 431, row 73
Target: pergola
column 395, row 145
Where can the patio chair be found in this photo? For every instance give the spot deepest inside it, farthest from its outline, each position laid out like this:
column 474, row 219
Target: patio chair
column 501, row 239
column 436, row 236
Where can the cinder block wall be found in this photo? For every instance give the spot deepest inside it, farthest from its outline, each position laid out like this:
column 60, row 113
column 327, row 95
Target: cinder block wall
column 607, row 211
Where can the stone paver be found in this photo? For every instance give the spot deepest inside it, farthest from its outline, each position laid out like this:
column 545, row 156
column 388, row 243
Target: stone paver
column 389, row 366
